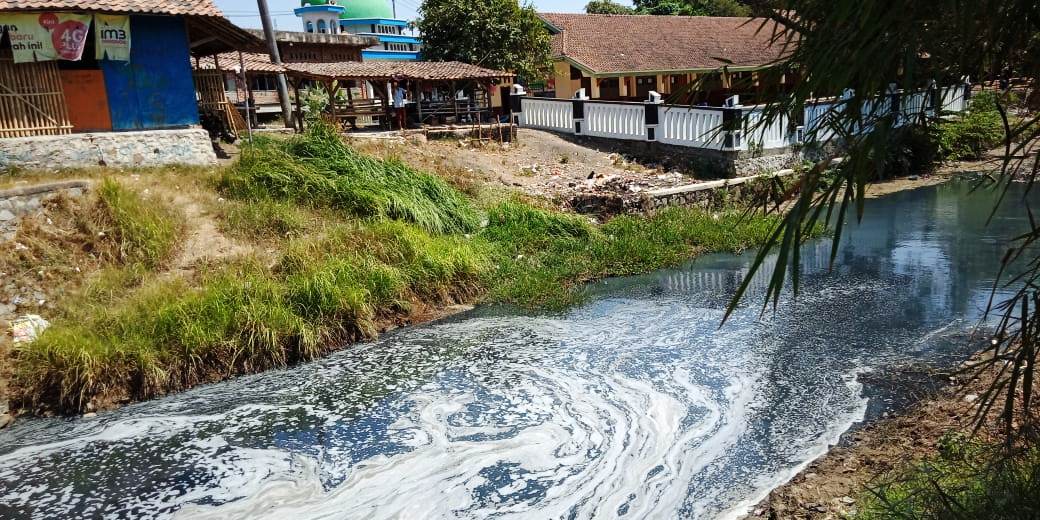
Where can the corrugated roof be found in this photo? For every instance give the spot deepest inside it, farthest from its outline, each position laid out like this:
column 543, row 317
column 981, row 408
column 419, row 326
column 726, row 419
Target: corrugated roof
column 174, row 7
column 634, row 43
column 424, row 70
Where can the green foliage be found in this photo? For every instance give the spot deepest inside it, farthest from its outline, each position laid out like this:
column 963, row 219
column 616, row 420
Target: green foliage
column 146, row 230
column 693, row 7
column 967, row 480
column 498, row 34
column 970, row 135
column 607, row 7
column 318, row 169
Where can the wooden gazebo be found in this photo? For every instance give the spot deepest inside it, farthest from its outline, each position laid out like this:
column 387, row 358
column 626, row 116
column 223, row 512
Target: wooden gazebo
column 427, row 83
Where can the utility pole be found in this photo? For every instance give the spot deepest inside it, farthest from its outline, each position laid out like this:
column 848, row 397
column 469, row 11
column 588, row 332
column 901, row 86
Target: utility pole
column 272, row 47
column 393, row 5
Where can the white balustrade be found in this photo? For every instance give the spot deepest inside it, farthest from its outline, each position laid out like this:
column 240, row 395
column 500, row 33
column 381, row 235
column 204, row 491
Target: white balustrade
column 694, row 127
column 953, row 99
column 701, row 127
column 547, row 114
column 776, row 134
column 914, row 105
column 817, row 116
column 617, row 120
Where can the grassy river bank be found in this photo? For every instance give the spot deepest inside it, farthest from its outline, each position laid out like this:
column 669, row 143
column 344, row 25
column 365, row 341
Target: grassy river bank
column 169, row 279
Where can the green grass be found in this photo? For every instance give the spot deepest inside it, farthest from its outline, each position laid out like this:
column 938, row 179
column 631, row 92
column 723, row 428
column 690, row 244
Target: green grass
column 318, row 169
column 262, row 219
column 546, row 256
column 968, row 479
column 400, row 240
column 241, row 317
column 145, row 230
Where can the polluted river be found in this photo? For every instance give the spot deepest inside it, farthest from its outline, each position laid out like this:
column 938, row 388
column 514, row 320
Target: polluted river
column 635, row 404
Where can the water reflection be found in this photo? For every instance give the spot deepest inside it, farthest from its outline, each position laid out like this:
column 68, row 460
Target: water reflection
column 635, row 405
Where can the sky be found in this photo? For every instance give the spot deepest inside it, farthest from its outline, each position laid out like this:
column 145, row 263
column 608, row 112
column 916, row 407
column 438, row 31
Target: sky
column 244, row 12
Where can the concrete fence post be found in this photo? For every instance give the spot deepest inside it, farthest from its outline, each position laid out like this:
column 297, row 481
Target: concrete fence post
column 732, row 117
column 578, row 102
column 895, row 101
column 933, row 101
column 651, row 115
column 516, row 105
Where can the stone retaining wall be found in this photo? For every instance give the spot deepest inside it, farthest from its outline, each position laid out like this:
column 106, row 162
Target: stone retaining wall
column 706, row 194
column 18, row 202
column 190, row 146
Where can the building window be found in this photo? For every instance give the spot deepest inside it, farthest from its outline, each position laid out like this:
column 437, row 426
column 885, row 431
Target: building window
column 322, row 28
column 310, row 27
column 397, row 46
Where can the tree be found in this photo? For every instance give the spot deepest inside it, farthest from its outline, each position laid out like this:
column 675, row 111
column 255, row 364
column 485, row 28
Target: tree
column 498, row 34
column 692, row 7
column 607, row 7
column 869, row 47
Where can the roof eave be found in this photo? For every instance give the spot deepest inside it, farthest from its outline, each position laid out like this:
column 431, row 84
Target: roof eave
column 697, row 70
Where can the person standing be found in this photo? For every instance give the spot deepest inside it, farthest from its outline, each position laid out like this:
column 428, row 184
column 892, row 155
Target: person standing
column 400, row 96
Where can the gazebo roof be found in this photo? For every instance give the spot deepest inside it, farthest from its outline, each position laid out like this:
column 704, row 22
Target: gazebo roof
column 254, row 61
column 414, row 70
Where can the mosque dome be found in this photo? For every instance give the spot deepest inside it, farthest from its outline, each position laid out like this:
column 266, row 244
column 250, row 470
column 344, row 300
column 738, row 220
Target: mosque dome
column 358, row 8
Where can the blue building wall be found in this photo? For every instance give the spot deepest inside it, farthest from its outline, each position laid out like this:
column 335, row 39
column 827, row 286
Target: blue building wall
column 155, row 89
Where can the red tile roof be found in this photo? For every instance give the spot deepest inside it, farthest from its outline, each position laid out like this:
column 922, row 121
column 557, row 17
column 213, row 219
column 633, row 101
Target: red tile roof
column 644, row 43
column 425, row 70
column 174, row 7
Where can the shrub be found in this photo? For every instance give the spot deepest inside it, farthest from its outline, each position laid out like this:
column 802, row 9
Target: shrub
column 972, row 134
column 967, row 480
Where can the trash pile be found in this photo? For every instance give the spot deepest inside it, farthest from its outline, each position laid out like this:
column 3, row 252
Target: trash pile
column 26, row 328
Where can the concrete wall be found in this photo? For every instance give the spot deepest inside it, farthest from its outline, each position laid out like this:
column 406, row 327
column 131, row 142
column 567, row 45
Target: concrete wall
column 115, row 149
column 565, row 86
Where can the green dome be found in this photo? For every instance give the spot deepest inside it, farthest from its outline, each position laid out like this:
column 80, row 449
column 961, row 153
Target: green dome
column 366, row 9
column 358, row 8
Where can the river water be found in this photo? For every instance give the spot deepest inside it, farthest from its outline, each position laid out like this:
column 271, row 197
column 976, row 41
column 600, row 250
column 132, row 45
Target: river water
column 635, row 405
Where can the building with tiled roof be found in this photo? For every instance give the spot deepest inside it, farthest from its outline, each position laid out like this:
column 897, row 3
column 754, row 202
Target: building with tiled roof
column 627, row 56
column 99, row 65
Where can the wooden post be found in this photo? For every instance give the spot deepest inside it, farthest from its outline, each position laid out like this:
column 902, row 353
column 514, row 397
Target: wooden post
column 299, row 103
column 454, row 100
column 245, row 87
column 332, row 88
column 418, row 101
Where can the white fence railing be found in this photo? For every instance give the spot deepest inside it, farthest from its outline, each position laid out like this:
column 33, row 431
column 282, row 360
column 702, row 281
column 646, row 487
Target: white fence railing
column 547, row 114
column 777, row 134
column 693, row 127
column 620, row 121
column 729, row 128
